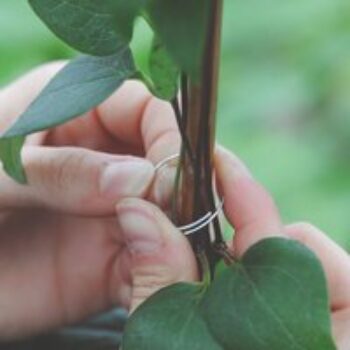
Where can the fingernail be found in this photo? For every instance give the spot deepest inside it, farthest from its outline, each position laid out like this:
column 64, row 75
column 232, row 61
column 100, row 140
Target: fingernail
column 127, row 178
column 141, row 232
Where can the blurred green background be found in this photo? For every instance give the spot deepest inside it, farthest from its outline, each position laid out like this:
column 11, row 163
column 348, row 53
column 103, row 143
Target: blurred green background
column 284, row 96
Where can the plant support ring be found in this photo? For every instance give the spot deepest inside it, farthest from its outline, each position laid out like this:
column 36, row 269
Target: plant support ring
column 206, row 219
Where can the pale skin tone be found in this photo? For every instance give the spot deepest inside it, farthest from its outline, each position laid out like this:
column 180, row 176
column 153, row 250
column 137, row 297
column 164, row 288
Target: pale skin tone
column 83, row 236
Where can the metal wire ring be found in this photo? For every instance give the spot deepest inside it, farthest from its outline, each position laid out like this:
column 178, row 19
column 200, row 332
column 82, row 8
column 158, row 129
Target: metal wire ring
column 202, row 222
column 163, row 163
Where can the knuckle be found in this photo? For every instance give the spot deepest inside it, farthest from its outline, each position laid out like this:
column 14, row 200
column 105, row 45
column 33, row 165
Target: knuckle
column 303, row 231
column 58, row 169
column 60, row 173
column 136, row 85
column 305, row 227
column 75, row 165
column 164, row 143
column 147, row 280
column 165, row 136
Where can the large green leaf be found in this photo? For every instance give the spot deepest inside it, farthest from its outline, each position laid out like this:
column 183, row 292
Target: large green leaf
column 81, row 85
column 95, row 27
column 275, row 298
column 182, row 27
column 10, row 156
column 124, row 13
column 170, row 320
column 164, row 72
column 102, row 27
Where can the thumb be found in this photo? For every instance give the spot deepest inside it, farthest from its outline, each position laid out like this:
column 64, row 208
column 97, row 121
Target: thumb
column 160, row 255
column 76, row 180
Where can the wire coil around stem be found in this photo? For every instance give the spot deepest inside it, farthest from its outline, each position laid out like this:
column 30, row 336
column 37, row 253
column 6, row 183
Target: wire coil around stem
column 206, row 219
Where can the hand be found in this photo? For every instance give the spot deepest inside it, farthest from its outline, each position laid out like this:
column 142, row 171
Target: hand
column 251, row 211
column 62, row 255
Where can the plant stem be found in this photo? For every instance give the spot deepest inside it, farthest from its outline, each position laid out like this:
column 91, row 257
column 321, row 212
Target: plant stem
column 186, row 143
column 201, row 101
column 210, row 97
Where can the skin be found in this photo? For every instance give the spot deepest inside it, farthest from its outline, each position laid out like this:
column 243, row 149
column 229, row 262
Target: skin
column 73, row 244
column 63, row 255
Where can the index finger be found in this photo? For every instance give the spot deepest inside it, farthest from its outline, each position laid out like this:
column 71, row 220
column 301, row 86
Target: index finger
column 248, row 206
column 150, row 124
column 130, row 117
column 133, row 116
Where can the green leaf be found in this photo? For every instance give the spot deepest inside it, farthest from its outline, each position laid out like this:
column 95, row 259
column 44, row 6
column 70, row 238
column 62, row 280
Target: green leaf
column 98, row 28
column 275, row 298
column 124, row 13
column 182, row 26
column 170, row 320
column 102, row 27
column 81, row 85
column 10, row 155
column 164, row 72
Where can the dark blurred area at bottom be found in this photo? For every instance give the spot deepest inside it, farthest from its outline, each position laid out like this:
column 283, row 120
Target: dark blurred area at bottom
column 101, row 333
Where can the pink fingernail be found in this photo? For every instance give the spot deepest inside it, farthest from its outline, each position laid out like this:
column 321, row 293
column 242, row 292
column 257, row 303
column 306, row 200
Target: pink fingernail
column 141, row 232
column 126, row 178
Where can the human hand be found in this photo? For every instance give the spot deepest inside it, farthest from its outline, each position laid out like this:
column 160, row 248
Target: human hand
column 100, row 265
column 253, row 214
column 62, row 255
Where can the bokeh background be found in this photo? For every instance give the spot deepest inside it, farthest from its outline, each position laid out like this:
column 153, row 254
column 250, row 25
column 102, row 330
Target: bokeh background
column 284, row 95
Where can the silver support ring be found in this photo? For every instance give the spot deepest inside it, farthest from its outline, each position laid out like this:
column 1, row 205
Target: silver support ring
column 163, row 163
column 202, row 222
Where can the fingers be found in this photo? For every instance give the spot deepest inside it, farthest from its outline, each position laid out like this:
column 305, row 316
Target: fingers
column 248, row 206
column 132, row 116
column 56, row 270
column 341, row 326
column 162, row 139
column 114, row 126
column 160, row 131
column 159, row 254
column 253, row 214
column 81, row 266
column 335, row 261
column 121, row 115
column 76, row 180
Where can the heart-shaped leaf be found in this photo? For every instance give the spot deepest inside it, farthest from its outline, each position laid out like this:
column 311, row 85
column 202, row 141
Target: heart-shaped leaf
column 164, row 72
column 81, row 85
column 170, row 320
column 275, row 298
column 98, row 28
column 102, row 27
